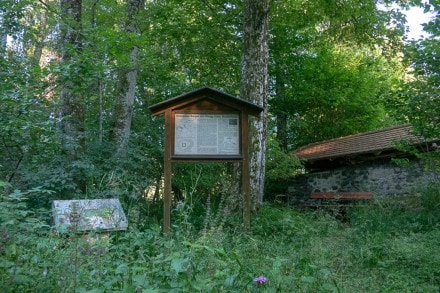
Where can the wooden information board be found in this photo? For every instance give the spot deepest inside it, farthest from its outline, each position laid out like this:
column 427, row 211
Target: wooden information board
column 206, row 125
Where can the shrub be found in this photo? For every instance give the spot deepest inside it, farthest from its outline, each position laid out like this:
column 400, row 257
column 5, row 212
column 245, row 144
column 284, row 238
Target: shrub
column 431, row 196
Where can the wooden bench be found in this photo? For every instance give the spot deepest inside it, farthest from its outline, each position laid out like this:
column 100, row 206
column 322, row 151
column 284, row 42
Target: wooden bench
column 341, row 196
column 337, row 202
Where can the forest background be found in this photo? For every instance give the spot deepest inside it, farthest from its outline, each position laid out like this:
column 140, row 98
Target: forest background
column 76, row 87
column 77, row 78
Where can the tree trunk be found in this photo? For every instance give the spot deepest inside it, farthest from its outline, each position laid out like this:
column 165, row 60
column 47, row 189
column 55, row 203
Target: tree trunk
column 126, row 89
column 280, row 113
column 254, row 87
column 281, row 117
column 72, row 107
column 42, row 34
column 100, row 109
column 3, row 37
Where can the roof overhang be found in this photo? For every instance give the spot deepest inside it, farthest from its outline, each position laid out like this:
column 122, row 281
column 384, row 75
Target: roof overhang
column 206, row 93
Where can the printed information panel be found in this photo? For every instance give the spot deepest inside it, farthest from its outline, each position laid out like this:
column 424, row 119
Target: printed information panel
column 206, row 134
column 89, row 214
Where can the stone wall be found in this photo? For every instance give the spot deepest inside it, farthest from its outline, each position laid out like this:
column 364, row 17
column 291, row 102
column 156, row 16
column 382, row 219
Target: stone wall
column 381, row 178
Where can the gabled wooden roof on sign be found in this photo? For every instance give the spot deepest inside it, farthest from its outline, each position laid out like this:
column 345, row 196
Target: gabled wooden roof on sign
column 206, row 93
column 358, row 144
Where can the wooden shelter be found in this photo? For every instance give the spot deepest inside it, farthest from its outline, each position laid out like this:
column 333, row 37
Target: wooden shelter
column 365, row 162
column 362, row 147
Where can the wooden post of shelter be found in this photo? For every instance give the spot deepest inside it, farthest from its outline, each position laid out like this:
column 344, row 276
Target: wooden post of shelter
column 206, row 125
column 167, row 175
column 245, row 171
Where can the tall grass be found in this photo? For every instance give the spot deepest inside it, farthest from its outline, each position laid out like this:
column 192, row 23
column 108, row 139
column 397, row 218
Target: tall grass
column 390, row 246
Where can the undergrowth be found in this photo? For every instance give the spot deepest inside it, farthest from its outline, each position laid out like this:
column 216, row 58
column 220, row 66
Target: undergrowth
column 390, row 246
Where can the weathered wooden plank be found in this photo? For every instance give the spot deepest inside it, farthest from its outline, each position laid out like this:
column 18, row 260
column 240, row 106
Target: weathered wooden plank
column 342, row 195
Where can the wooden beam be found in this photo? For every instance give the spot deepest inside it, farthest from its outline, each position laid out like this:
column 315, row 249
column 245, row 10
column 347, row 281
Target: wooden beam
column 167, row 175
column 342, row 195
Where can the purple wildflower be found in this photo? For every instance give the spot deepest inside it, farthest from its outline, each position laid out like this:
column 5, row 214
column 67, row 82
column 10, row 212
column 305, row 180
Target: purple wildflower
column 260, row 280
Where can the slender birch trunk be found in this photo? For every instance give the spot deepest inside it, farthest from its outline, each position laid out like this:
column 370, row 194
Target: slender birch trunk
column 255, row 87
column 126, row 90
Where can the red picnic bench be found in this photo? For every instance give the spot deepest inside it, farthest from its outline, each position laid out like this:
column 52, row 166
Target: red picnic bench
column 337, row 202
column 341, row 196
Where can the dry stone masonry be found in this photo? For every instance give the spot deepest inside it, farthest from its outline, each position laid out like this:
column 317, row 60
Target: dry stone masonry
column 381, row 178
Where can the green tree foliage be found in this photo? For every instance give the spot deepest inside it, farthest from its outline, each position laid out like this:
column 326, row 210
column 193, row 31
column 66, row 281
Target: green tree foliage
column 336, row 92
column 418, row 96
column 29, row 138
column 422, row 93
column 329, row 70
column 332, row 72
column 27, row 132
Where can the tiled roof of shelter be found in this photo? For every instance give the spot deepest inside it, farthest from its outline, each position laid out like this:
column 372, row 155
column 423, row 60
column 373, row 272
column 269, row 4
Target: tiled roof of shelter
column 362, row 143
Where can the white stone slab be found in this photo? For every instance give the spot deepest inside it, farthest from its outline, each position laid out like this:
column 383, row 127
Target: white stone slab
column 88, row 215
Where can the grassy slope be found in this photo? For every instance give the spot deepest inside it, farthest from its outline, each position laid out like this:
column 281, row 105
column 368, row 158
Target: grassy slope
column 391, row 246
column 382, row 249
